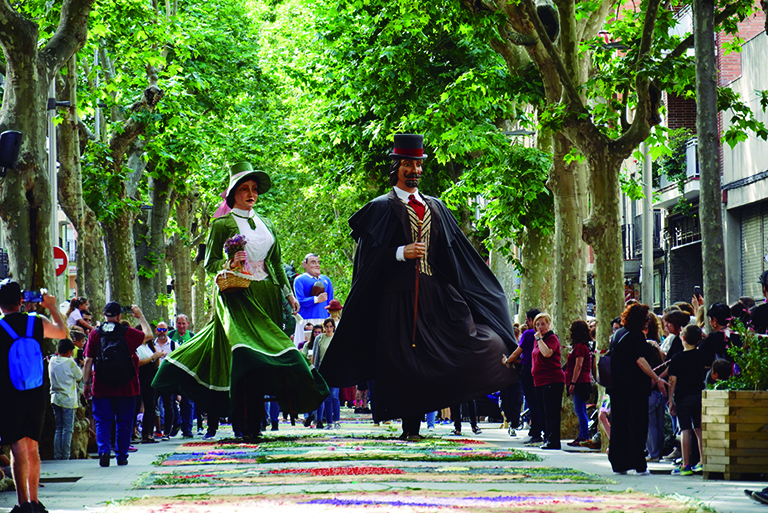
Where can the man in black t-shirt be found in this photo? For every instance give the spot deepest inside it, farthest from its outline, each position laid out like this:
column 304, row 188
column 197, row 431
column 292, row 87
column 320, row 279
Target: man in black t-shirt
column 686, row 381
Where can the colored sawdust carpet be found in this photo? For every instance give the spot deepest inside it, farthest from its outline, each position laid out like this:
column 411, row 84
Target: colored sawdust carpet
column 255, row 476
column 412, row 501
column 301, row 449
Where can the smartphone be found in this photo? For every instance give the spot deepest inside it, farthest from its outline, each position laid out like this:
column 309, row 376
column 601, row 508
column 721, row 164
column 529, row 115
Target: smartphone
column 696, row 291
column 33, row 296
column 127, row 309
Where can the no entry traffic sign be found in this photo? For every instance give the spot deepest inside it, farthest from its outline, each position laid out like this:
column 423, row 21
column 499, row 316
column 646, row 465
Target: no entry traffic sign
column 60, row 260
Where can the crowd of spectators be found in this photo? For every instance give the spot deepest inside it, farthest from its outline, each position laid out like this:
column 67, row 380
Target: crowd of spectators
column 660, row 364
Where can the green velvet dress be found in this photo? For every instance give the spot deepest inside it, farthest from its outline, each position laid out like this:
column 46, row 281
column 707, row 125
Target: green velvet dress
column 244, row 339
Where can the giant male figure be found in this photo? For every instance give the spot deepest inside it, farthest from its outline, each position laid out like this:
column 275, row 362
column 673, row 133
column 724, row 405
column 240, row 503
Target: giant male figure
column 413, row 262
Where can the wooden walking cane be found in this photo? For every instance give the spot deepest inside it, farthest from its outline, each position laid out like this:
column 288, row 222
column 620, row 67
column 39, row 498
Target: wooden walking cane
column 416, row 295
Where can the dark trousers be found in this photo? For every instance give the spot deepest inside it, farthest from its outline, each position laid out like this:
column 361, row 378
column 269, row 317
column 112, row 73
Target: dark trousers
column 629, row 429
column 372, row 399
column 470, row 408
column 511, row 400
column 147, row 398
column 169, row 412
column 529, row 391
column 550, row 400
column 249, row 409
column 411, row 425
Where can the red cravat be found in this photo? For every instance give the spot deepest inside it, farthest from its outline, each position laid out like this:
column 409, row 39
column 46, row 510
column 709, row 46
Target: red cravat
column 417, row 206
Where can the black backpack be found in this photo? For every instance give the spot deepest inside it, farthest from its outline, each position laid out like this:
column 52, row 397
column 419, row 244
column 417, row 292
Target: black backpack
column 114, row 363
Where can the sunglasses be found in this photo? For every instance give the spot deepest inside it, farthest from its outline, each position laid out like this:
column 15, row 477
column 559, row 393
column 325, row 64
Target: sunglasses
column 162, row 330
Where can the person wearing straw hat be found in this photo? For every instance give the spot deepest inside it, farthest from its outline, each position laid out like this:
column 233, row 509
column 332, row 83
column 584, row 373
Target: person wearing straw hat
column 242, row 354
column 441, row 316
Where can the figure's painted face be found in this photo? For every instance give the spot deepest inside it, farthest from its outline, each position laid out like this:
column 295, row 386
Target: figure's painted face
column 246, row 195
column 408, row 174
column 312, row 266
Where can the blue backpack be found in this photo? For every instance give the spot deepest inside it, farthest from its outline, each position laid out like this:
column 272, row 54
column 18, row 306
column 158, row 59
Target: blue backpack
column 25, row 358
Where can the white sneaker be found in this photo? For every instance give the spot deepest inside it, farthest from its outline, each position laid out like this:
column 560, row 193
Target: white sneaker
column 337, row 425
column 511, row 431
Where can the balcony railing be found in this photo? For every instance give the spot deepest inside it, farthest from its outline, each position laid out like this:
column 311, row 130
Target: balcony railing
column 682, row 230
column 632, row 237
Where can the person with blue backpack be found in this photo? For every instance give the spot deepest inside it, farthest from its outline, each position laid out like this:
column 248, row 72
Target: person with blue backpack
column 21, row 387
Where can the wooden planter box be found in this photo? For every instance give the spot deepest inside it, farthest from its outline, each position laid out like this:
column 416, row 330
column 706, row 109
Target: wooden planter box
column 735, row 433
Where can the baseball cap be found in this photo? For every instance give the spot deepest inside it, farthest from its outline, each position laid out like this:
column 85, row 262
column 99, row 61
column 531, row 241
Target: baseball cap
column 113, row 309
column 10, row 292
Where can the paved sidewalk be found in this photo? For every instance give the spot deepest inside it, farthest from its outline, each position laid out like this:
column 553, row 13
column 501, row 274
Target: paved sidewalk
column 80, row 485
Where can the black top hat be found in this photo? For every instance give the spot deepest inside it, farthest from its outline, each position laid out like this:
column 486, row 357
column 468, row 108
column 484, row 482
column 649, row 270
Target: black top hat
column 408, row 146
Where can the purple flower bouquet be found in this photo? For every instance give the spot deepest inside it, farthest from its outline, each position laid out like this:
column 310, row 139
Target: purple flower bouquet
column 232, row 246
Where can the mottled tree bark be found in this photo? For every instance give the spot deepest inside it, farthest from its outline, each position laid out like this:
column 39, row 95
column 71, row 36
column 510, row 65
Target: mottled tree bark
column 152, row 257
column 181, row 254
column 202, row 311
column 91, row 264
column 26, row 202
column 710, row 206
column 118, row 229
column 568, row 184
column 537, row 279
column 602, row 231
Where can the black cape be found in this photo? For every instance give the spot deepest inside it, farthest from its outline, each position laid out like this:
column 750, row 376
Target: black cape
column 379, row 228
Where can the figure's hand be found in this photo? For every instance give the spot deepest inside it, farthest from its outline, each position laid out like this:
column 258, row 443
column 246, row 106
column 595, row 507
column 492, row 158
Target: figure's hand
column 239, row 257
column 294, row 304
column 49, row 302
column 662, row 386
column 322, row 298
column 414, row 250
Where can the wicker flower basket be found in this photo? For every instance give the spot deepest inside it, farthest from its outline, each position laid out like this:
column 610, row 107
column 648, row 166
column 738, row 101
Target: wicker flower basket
column 229, row 281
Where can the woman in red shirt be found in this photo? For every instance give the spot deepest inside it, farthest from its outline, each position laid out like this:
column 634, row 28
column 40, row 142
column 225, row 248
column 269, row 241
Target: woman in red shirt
column 577, row 375
column 548, row 378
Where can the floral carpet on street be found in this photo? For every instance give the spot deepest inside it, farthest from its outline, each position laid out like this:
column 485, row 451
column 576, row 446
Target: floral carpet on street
column 416, row 501
column 372, row 473
column 341, row 448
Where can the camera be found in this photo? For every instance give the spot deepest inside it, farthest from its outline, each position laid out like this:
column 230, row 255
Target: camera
column 10, row 146
column 34, row 296
column 127, row 309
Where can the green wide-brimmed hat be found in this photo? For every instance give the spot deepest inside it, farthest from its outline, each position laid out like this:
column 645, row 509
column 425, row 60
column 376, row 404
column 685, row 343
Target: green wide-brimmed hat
column 241, row 172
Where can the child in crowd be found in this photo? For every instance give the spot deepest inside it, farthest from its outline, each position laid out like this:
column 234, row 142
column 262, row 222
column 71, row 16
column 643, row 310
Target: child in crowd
column 64, row 374
column 686, row 381
column 721, row 369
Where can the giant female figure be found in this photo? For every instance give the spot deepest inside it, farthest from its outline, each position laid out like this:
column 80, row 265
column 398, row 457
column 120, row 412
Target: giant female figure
column 243, row 353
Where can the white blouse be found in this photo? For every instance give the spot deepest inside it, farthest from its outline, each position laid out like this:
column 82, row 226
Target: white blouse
column 260, row 239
